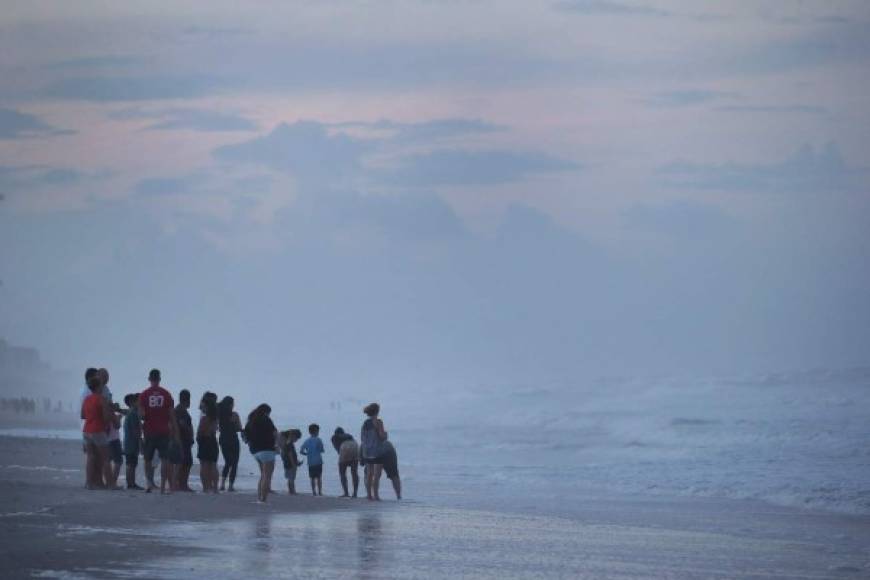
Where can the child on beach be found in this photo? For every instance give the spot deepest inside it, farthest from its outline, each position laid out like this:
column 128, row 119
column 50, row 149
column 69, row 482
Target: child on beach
column 313, row 449
column 132, row 438
column 289, row 457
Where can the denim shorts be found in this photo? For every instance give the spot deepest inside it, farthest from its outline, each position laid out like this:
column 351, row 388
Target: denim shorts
column 98, row 439
column 265, row 456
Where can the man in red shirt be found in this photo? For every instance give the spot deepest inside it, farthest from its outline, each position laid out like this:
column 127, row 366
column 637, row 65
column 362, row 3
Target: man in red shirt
column 158, row 426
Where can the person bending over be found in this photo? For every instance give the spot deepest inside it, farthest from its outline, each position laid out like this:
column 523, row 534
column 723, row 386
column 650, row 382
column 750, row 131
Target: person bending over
column 348, row 458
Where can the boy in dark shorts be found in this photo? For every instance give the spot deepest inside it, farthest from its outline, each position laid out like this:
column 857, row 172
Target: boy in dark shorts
column 132, row 438
column 289, row 457
column 159, row 426
column 313, row 450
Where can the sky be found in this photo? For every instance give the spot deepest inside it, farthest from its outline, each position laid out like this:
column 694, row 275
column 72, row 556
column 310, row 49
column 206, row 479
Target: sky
column 387, row 194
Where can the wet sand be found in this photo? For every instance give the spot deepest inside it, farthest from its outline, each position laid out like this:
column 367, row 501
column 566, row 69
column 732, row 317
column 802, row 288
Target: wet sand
column 50, row 524
column 52, row 528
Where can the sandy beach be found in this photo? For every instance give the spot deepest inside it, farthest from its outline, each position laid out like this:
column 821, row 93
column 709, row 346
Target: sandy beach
column 52, row 528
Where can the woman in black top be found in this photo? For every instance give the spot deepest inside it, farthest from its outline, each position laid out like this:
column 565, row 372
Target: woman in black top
column 206, row 439
column 261, row 436
column 229, row 424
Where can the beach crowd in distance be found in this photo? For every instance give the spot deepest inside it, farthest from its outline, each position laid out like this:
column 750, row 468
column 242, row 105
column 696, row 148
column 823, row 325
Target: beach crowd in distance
column 153, row 424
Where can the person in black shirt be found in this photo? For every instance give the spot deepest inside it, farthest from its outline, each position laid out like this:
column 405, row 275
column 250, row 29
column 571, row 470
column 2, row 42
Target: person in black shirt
column 229, row 425
column 185, row 431
column 261, row 436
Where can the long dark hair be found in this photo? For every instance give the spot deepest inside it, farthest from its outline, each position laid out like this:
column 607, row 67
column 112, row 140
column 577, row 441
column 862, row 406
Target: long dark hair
column 209, row 405
column 225, row 412
column 260, row 412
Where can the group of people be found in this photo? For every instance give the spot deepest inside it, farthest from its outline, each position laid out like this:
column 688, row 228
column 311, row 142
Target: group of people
column 153, row 423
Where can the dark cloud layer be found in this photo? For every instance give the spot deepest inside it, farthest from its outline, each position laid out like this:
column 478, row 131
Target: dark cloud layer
column 132, row 88
column 808, row 169
column 189, row 119
column 15, row 125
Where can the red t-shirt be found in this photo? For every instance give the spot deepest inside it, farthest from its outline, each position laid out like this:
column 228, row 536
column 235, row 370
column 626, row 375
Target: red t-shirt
column 92, row 409
column 156, row 404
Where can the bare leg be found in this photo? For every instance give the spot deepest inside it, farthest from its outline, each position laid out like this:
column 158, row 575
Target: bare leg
column 131, row 476
column 116, row 473
column 92, row 468
column 105, row 466
column 367, row 473
column 376, row 480
column 149, row 475
column 268, row 468
column 342, row 474
column 320, row 486
column 313, row 488
column 397, row 486
column 215, row 475
column 355, row 477
column 166, row 470
column 260, row 483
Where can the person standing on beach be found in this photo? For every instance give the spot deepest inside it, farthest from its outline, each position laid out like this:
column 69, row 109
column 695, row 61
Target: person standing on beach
column 207, row 444
column 261, row 435
column 348, row 458
column 97, row 416
column 116, row 453
column 92, row 467
column 289, row 457
column 391, row 468
column 372, row 438
column 185, row 436
column 132, row 438
column 159, row 426
column 313, row 450
column 229, row 425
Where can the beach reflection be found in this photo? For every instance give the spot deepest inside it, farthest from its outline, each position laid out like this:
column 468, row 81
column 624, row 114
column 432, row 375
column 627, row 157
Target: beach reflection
column 369, row 540
column 263, row 534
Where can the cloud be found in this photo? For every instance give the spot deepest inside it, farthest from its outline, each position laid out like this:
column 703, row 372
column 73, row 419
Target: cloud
column 304, row 149
column 684, row 98
column 16, row 125
column 426, row 131
column 609, row 7
column 466, row 167
column 800, row 109
column 189, row 119
column 101, row 61
column 350, row 216
column 807, row 170
column 132, row 88
column 159, row 186
column 680, row 218
column 20, row 178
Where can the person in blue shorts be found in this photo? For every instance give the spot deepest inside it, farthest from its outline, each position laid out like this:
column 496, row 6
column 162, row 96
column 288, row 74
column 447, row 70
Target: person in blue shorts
column 313, row 450
column 261, row 435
